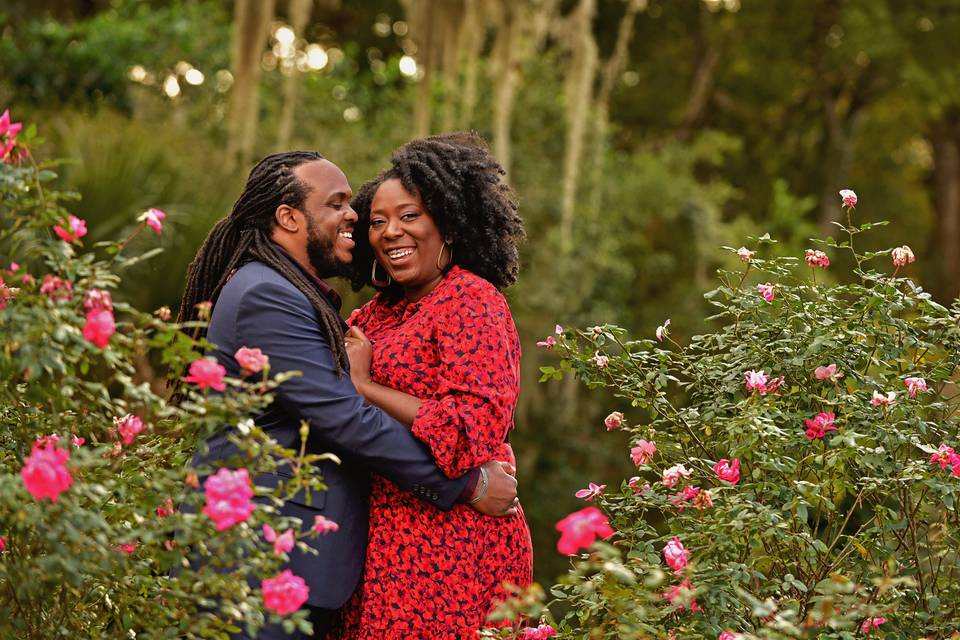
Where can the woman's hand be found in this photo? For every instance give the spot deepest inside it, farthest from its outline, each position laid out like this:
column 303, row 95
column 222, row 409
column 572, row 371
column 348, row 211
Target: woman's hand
column 360, row 353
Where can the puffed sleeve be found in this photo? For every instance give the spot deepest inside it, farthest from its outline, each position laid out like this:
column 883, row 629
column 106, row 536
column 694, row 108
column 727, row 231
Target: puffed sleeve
column 466, row 420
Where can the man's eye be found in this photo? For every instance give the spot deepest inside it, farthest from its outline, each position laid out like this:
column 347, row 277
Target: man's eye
column 335, row 205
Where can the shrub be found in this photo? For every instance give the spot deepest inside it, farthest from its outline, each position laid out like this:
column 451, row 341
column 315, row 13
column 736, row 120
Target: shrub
column 796, row 473
column 94, row 462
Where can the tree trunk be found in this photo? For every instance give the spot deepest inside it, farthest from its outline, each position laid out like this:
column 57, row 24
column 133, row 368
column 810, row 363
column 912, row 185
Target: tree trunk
column 299, row 15
column 474, row 31
column 946, row 176
column 839, row 146
column 703, row 77
column 579, row 94
column 251, row 24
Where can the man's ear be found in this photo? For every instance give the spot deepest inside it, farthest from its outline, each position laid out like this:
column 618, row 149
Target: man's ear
column 287, row 218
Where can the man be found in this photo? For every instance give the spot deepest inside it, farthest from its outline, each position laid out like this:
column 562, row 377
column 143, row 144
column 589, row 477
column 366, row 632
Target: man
column 262, row 267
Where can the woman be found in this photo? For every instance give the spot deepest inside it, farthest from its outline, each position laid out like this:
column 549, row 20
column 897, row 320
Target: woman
column 437, row 349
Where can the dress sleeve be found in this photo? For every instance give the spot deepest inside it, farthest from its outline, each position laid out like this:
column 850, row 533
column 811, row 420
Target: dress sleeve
column 465, row 421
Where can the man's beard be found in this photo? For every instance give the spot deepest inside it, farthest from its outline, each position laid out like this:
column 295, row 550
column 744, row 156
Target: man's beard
column 321, row 255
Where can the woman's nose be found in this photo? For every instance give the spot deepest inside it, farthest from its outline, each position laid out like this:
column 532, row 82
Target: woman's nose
column 393, row 229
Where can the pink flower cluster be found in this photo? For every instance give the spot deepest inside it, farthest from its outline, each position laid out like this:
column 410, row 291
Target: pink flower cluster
column 695, row 495
column 682, row 596
column 323, row 525
column 744, row 254
column 154, row 219
column 128, row 427
column 915, row 386
column 902, row 256
column 819, row 425
column 55, row 287
column 591, row 492
column 282, row 543
column 8, row 136
column 871, row 624
column 45, row 473
column 72, row 229
column 540, row 632
column 643, row 452
column 766, row 291
column 828, row 372
column 672, row 475
column 600, row 361
column 728, row 635
column 728, row 470
column 947, row 457
column 206, row 373
column 883, row 400
column 548, row 343
column 579, row 529
column 99, row 327
column 251, row 360
column 676, row 555
column 285, row 593
column 228, row 495
column 759, row 381
column 816, row 258
column 613, row 421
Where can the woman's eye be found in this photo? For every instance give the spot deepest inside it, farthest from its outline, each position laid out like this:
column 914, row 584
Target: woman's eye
column 409, row 216
column 375, row 223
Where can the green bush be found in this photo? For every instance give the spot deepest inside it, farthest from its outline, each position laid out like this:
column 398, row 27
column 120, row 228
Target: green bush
column 105, row 554
column 839, row 521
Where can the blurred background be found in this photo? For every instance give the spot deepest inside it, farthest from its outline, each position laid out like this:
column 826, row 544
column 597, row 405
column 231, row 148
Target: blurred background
column 641, row 136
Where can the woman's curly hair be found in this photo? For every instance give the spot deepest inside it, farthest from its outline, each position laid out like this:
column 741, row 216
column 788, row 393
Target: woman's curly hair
column 461, row 185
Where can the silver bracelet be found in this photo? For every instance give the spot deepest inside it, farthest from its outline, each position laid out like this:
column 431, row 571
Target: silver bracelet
column 483, row 487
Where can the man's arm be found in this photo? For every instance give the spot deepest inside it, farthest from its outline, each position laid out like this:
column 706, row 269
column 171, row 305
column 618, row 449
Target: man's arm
column 279, row 321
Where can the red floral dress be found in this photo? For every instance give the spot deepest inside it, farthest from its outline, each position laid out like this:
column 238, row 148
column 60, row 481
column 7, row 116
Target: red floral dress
column 430, row 573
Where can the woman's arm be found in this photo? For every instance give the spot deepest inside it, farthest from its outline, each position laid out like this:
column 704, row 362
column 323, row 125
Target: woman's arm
column 403, row 407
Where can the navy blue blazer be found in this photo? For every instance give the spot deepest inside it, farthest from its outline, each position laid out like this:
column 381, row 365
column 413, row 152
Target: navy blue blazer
column 259, row 308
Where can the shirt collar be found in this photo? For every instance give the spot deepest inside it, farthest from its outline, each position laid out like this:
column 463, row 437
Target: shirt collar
column 326, row 290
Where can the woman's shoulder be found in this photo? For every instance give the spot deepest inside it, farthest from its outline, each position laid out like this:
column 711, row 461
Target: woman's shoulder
column 374, row 308
column 467, row 289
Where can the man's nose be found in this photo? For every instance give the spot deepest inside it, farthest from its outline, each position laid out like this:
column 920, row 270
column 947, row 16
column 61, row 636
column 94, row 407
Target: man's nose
column 350, row 215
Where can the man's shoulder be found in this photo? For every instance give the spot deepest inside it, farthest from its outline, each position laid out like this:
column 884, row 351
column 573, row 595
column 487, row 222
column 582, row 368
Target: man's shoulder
column 256, row 276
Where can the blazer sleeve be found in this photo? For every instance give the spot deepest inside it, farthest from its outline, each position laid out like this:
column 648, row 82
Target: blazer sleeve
column 280, row 321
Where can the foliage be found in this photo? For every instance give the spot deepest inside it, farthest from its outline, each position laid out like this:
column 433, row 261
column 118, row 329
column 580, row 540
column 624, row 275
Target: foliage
column 821, row 530
column 110, row 557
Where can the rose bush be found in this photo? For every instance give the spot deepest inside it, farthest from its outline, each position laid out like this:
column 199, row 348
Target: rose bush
column 813, row 432
column 105, row 530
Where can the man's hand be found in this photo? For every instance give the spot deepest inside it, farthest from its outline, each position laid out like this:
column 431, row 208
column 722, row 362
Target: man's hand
column 500, row 498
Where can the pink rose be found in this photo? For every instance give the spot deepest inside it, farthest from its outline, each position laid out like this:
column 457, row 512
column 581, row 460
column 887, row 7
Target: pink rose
column 828, row 372
column 558, row 330
column 591, row 492
column 3, row 544
column 915, row 386
column 744, row 254
column 634, row 483
column 128, row 427
column 880, row 399
column 166, row 509
column 324, row 526
column 228, row 495
column 816, row 258
column 849, row 197
column 726, row 635
column 672, row 475
column 675, row 555
column 56, row 288
column 682, row 596
column 600, row 361
column 819, row 425
column 45, row 473
column 765, row 291
column 77, row 229
column 728, row 470
column 547, row 343
column 282, row 543
column 661, row 331
column 756, row 381
column 285, row 593
column 643, row 452
column 127, row 548
column 8, row 136
column 945, row 457
column 97, row 300
column 902, row 256
column 207, row 373
column 251, row 360
column 871, row 624
column 154, row 219
column 773, row 386
column 579, row 529
column 613, row 421
column 99, row 327
column 541, row 632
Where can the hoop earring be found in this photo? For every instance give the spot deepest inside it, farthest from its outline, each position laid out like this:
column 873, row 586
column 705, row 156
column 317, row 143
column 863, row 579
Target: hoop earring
column 445, row 245
column 373, row 277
